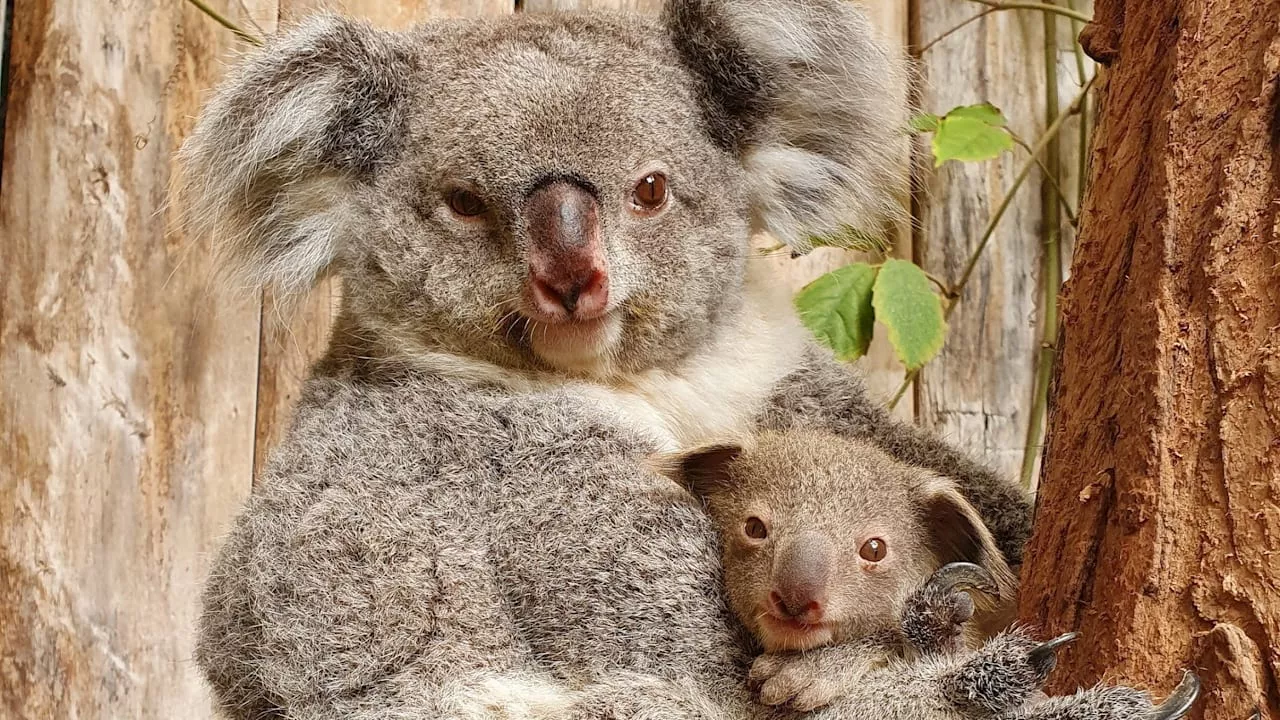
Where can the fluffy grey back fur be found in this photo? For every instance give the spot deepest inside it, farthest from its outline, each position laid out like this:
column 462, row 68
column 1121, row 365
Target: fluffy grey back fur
column 456, row 526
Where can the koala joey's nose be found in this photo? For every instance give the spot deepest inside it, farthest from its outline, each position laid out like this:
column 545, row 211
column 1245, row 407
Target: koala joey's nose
column 568, row 273
column 802, row 609
column 801, row 576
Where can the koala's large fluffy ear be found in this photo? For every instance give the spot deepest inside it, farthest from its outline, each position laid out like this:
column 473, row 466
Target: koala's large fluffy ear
column 702, row 471
column 812, row 102
column 957, row 533
column 268, row 170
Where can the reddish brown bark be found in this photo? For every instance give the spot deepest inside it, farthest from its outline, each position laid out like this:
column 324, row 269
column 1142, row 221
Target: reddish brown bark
column 1158, row 526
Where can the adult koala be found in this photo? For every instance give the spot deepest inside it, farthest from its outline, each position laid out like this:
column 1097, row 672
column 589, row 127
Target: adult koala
column 541, row 225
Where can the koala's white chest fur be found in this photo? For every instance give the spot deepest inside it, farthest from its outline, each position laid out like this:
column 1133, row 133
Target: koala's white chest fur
column 714, row 395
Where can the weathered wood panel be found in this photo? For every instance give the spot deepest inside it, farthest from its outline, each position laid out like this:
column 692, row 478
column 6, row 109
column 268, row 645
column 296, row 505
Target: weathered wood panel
column 126, row 405
column 978, row 391
column 1158, row 532
column 291, row 343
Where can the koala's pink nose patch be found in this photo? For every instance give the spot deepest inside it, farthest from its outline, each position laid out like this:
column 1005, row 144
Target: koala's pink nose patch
column 568, row 273
column 801, row 609
column 801, row 573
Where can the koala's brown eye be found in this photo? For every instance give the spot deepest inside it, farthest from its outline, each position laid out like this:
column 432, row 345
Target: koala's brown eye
column 873, row 550
column 755, row 529
column 651, row 192
column 466, row 203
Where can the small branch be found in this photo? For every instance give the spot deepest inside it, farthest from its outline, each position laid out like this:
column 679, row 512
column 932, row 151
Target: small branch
column 1042, row 7
column 1051, row 258
column 958, row 289
column 224, row 22
column 1057, row 186
column 942, row 287
column 920, row 51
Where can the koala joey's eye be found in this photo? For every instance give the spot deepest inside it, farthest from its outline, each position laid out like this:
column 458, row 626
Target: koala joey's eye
column 755, row 528
column 650, row 194
column 873, row 550
column 466, row 203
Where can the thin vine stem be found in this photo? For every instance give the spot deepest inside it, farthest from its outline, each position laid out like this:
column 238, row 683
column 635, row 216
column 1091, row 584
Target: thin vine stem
column 1042, row 7
column 224, row 22
column 1053, row 181
column 958, row 289
column 1051, row 258
column 955, row 28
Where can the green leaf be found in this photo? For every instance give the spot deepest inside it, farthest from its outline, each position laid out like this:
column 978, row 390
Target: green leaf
column 853, row 239
column 924, row 122
column 837, row 309
column 968, row 139
column 986, row 112
column 905, row 303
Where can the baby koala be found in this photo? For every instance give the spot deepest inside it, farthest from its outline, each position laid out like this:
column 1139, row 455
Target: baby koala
column 839, row 558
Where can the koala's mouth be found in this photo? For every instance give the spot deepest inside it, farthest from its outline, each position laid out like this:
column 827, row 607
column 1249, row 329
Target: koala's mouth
column 576, row 345
column 791, row 635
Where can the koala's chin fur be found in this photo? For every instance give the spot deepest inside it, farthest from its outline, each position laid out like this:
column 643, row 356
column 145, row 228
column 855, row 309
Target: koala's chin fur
column 462, row 521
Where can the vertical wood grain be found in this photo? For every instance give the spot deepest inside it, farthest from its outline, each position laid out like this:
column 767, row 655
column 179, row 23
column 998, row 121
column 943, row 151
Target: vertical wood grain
column 292, row 342
column 127, row 401
column 977, row 392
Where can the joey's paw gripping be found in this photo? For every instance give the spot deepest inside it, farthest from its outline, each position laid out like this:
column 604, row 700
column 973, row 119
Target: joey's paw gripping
column 933, row 617
column 796, row 681
column 1001, row 675
column 1116, row 703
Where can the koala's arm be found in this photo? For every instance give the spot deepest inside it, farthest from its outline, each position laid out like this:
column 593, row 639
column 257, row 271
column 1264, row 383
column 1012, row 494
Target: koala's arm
column 824, row 393
column 805, row 681
column 1000, row 680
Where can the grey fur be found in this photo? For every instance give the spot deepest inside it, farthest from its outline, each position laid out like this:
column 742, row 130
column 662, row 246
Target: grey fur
column 461, row 524
column 816, row 491
column 894, row 650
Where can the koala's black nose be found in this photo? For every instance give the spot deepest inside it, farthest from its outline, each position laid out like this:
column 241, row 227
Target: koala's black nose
column 568, row 273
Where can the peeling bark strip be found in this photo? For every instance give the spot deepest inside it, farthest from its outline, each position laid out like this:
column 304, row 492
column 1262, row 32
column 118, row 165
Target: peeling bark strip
column 1158, row 527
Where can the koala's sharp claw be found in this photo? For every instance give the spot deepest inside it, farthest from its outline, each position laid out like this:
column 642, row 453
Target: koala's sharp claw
column 1257, row 713
column 965, row 576
column 1046, row 652
column 1180, row 700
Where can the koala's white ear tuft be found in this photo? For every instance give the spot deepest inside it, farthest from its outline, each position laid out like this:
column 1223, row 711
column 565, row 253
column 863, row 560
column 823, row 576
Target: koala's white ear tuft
column 267, row 173
column 957, row 533
column 812, row 101
column 702, row 471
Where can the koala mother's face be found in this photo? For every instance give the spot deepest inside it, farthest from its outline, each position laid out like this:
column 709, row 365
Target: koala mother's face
column 559, row 192
column 558, row 200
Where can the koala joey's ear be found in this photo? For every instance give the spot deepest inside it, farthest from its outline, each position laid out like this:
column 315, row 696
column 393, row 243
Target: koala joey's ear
column 702, row 471
column 267, row 172
column 811, row 101
column 957, row 533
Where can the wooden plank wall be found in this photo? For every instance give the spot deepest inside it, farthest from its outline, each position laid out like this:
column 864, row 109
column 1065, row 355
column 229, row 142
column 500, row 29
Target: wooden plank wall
column 133, row 416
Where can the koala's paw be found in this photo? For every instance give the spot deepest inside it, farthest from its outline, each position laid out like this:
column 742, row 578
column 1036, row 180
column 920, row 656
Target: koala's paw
column 800, row 682
column 1116, row 703
column 1003, row 674
column 933, row 617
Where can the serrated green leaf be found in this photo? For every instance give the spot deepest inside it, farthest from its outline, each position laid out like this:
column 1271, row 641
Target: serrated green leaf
column 986, row 112
column 967, row 139
column 905, row 303
column 853, row 239
column 837, row 309
column 924, row 122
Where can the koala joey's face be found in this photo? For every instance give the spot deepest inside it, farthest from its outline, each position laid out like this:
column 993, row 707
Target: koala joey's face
column 824, row 538
column 562, row 192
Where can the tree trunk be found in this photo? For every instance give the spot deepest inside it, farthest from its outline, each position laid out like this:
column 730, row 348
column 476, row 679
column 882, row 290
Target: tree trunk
column 1158, row 526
